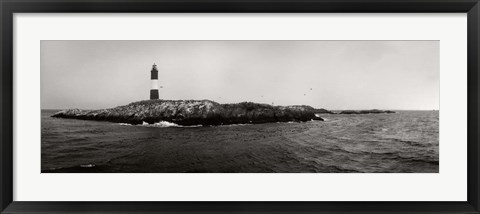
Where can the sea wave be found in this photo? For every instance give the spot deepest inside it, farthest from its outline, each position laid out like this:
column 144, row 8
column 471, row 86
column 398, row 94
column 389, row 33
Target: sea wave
column 75, row 168
column 161, row 124
column 240, row 124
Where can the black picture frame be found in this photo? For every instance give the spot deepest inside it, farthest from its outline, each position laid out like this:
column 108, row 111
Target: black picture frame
column 9, row 7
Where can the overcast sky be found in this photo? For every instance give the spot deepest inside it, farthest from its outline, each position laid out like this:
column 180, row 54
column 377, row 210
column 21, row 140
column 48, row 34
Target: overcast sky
column 324, row 74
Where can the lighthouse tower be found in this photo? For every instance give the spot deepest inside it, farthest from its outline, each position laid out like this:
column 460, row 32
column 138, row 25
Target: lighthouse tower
column 154, row 83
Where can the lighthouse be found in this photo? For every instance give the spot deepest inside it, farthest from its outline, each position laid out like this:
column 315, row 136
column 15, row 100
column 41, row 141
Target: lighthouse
column 154, row 83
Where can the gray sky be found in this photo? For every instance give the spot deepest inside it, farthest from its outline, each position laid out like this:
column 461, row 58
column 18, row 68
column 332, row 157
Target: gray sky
column 324, row 74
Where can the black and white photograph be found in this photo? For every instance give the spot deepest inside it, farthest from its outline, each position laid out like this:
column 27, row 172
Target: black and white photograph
column 239, row 106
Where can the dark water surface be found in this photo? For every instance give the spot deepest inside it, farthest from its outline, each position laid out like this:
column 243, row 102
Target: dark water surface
column 403, row 142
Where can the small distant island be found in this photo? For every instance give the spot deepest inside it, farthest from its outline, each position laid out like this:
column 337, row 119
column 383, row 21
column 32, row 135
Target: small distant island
column 202, row 112
column 373, row 111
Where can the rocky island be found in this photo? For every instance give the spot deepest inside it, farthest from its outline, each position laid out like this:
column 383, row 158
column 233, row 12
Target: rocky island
column 372, row 111
column 195, row 112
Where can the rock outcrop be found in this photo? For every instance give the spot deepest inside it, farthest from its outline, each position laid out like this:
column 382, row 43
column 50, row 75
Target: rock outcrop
column 323, row 111
column 194, row 112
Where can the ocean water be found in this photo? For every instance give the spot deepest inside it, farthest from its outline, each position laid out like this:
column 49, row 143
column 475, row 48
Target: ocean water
column 407, row 141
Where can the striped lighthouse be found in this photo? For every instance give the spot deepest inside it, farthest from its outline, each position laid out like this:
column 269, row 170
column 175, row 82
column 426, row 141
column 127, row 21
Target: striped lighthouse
column 154, row 83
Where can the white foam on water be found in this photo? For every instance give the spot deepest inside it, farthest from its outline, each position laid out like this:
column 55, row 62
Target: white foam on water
column 166, row 124
column 160, row 124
